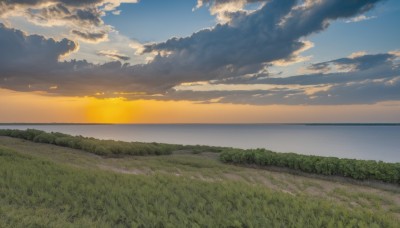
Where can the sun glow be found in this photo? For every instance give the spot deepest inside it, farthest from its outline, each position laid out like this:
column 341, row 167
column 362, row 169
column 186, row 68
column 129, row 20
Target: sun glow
column 50, row 109
column 111, row 110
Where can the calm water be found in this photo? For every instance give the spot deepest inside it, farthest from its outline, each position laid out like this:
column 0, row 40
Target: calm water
column 362, row 142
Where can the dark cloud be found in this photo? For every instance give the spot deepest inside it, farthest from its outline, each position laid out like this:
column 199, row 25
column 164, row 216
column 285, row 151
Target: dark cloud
column 46, row 6
column 40, row 2
column 363, row 92
column 249, row 41
column 19, row 50
column 239, row 51
column 31, row 63
column 82, row 16
column 58, row 10
column 362, row 62
column 113, row 55
column 375, row 66
column 364, row 85
column 91, row 37
column 90, row 16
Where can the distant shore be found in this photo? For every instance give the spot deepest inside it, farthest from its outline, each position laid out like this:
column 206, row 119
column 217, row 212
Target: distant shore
column 359, row 141
column 302, row 124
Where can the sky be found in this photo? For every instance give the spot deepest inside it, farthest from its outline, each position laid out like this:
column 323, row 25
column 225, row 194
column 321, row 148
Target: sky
column 199, row 61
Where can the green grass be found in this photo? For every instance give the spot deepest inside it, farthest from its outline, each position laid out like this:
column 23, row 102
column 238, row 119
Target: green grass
column 36, row 192
column 327, row 166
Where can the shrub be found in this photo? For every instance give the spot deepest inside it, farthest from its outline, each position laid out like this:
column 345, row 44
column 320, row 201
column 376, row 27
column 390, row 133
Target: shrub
column 45, row 138
column 92, row 145
column 356, row 169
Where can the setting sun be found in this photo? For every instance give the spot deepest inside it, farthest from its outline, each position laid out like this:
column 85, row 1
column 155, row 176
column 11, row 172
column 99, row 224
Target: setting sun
column 112, row 110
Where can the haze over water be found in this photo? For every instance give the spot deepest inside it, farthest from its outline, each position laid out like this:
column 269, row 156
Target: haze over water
column 369, row 142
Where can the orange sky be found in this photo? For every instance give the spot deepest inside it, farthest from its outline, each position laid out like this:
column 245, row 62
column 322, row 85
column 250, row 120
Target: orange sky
column 36, row 108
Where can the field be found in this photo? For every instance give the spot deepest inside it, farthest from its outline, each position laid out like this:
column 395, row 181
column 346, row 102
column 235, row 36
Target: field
column 44, row 185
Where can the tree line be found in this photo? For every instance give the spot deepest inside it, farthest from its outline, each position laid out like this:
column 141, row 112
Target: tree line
column 104, row 147
column 92, row 145
column 330, row 166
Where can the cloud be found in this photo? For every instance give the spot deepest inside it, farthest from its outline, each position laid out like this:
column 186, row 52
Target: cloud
column 116, row 12
column 364, row 92
column 249, row 42
column 376, row 78
column 357, row 54
column 226, row 9
column 360, row 18
column 60, row 14
column 82, row 16
column 114, row 55
column 91, row 37
column 19, row 50
column 237, row 53
column 107, row 5
column 359, row 92
column 357, row 61
column 31, row 63
column 378, row 69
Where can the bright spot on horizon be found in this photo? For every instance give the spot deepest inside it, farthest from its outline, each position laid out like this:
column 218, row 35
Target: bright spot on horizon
column 110, row 110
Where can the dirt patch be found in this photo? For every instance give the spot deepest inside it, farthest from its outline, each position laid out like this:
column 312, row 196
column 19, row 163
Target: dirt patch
column 121, row 170
column 232, row 176
column 367, row 183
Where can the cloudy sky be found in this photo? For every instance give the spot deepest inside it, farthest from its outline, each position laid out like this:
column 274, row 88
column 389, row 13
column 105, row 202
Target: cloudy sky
column 197, row 61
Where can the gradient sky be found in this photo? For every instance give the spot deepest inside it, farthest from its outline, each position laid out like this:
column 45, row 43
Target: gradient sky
column 199, row 61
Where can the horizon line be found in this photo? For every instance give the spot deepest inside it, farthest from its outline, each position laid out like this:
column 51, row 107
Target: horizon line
column 294, row 123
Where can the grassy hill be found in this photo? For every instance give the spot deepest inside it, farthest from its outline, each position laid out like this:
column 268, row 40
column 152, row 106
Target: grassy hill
column 44, row 185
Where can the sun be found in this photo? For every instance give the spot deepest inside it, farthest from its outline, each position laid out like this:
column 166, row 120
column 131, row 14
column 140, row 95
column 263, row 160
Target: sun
column 110, row 110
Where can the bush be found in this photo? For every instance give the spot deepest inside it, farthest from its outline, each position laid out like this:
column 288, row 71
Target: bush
column 44, row 137
column 356, row 169
column 92, row 145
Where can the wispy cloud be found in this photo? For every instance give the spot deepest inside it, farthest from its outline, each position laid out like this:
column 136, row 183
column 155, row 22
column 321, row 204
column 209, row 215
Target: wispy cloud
column 114, row 55
column 360, row 18
column 91, row 36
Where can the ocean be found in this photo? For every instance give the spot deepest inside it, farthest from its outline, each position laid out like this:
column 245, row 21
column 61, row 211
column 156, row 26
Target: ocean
column 368, row 142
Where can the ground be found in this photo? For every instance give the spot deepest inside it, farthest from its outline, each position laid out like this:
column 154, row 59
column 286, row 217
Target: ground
column 206, row 167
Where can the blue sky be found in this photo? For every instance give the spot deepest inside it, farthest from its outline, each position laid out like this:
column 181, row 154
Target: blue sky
column 255, row 52
column 158, row 20
column 379, row 34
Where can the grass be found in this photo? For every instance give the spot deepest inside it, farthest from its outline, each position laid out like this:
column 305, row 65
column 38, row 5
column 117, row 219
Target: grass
column 38, row 192
column 45, row 185
column 360, row 170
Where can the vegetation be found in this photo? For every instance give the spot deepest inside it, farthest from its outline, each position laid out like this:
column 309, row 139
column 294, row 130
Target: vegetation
column 101, row 147
column 35, row 192
column 357, row 169
column 329, row 166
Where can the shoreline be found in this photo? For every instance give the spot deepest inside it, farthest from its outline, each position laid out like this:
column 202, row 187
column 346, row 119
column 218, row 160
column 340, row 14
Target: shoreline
column 363, row 170
column 222, row 124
